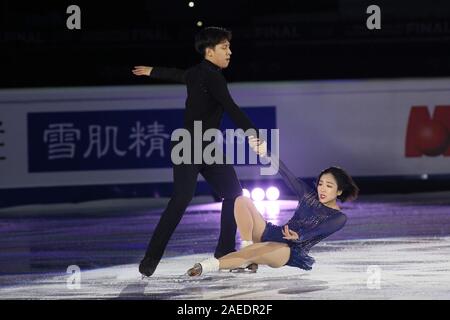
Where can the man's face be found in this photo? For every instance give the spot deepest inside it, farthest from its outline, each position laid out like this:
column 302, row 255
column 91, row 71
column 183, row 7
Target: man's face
column 220, row 55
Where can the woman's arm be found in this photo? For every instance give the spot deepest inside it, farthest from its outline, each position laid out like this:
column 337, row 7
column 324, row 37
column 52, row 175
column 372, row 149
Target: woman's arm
column 300, row 188
column 332, row 224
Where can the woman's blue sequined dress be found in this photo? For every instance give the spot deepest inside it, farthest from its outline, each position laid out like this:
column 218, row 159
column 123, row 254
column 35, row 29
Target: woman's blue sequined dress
column 312, row 220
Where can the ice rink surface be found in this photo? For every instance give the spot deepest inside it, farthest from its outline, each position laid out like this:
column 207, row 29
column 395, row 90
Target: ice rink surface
column 393, row 247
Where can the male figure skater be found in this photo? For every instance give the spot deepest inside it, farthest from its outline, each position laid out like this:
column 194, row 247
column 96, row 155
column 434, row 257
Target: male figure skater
column 207, row 99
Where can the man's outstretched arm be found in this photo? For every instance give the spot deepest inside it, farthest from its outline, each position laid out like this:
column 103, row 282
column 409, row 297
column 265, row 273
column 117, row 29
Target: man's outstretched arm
column 162, row 73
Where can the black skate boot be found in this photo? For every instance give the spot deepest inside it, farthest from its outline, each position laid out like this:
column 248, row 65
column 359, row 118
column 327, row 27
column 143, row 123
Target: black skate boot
column 147, row 267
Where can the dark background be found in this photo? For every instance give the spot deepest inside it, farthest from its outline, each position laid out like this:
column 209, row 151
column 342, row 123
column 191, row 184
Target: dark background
column 277, row 40
column 272, row 41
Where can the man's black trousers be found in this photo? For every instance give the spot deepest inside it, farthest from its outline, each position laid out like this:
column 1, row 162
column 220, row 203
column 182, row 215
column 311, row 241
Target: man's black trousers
column 222, row 178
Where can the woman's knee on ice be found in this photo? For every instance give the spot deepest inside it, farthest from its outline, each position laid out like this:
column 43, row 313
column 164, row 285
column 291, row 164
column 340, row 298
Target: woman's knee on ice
column 241, row 202
column 241, row 207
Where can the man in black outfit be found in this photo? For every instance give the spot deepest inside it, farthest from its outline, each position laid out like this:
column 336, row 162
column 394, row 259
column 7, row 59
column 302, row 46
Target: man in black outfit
column 207, row 99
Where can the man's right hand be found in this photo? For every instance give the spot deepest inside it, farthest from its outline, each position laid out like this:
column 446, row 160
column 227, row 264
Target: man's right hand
column 142, row 70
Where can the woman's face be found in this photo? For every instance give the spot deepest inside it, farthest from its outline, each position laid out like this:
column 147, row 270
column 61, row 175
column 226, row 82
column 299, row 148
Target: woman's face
column 327, row 188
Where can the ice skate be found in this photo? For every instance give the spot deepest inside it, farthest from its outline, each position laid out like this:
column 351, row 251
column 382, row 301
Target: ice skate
column 147, row 267
column 195, row 271
column 251, row 268
column 206, row 266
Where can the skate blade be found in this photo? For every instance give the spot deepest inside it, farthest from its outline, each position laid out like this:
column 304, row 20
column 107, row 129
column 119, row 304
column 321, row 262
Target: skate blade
column 237, row 270
column 242, row 270
column 251, row 268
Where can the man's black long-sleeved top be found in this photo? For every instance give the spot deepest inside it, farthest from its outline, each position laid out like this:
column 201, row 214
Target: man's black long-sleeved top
column 207, row 96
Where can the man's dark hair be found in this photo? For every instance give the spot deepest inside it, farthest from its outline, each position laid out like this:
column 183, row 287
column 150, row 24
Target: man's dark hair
column 209, row 37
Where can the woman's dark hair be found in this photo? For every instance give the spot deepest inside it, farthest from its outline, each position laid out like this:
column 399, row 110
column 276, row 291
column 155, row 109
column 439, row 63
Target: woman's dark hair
column 210, row 37
column 344, row 181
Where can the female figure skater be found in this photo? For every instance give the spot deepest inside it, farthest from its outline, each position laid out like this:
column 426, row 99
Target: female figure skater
column 317, row 216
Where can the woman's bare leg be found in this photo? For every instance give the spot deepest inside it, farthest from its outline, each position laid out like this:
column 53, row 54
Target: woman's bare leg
column 251, row 226
column 249, row 221
column 273, row 254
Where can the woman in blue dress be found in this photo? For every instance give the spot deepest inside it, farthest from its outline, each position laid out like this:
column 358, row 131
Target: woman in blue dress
column 316, row 217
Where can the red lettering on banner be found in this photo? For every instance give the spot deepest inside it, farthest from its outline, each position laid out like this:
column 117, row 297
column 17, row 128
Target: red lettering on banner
column 428, row 135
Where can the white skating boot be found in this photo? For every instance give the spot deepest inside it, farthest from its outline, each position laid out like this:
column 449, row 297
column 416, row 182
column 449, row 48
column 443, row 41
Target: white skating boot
column 207, row 265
